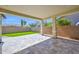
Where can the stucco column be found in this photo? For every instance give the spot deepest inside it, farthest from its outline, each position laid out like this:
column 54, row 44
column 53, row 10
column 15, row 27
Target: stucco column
column 54, row 30
column 0, row 28
column 41, row 30
column 0, row 34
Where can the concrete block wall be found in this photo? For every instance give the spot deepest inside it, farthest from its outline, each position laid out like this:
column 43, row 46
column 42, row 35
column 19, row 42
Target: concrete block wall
column 47, row 30
column 68, row 31
column 10, row 29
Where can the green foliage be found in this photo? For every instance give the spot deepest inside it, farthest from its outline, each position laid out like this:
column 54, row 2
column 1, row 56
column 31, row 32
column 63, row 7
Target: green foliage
column 3, row 16
column 33, row 25
column 48, row 24
column 63, row 21
column 23, row 22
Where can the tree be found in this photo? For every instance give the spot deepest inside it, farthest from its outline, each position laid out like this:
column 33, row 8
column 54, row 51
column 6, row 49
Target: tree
column 2, row 16
column 23, row 22
column 33, row 25
column 63, row 21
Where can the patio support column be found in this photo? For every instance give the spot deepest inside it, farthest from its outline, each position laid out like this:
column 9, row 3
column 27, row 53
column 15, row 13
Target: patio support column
column 54, row 30
column 0, row 28
column 41, row 30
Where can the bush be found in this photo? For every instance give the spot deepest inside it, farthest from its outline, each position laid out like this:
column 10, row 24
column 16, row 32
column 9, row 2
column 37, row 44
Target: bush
column 63, row 22
column 33, row 25
column 48, row 24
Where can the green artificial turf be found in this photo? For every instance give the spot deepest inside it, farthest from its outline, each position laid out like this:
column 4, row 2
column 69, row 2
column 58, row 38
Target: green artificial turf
column 18, row 34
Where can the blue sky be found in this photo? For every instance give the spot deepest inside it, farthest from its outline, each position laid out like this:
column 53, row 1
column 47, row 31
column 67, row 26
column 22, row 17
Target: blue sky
column 15, row 20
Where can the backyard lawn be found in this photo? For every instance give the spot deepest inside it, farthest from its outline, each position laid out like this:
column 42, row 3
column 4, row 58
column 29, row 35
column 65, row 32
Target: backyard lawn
column 18, row 34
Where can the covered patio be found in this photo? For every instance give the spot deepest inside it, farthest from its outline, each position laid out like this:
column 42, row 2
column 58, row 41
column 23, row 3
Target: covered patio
column 52, row 33
column 42, row 13
column 15, row 44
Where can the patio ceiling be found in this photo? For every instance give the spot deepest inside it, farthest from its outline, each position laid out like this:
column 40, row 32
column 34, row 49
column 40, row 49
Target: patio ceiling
column 39, row 11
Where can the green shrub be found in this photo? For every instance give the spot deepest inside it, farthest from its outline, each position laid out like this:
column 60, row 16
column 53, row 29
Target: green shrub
column 48, row 24
column 33, row 24
column 63, row 22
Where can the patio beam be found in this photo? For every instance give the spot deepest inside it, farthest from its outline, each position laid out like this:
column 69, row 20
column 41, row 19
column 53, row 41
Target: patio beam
column 18, row 14
column 65, row 13
column 69, row 12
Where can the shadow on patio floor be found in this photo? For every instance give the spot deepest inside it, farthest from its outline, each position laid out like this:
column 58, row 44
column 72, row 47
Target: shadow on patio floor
column 53, row 46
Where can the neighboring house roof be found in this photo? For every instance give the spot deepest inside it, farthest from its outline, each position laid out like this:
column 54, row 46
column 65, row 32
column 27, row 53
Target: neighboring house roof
column 77, row 24
column 74, row 18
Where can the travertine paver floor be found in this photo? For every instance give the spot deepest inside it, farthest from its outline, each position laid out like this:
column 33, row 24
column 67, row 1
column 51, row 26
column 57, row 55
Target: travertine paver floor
column 15, row 44
column 53, row 46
